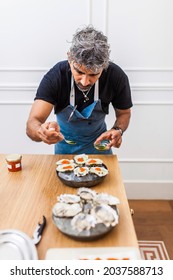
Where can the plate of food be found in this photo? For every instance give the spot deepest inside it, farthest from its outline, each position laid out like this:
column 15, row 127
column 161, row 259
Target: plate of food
column 81, row 171
column 87, row 215
column 94, row 253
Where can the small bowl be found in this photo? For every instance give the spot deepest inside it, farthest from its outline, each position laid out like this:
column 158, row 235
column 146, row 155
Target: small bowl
column 102, row 146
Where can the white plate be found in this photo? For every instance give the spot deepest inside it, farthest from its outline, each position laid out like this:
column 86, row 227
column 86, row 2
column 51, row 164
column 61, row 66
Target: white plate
column 16, row 245
column 92, row 253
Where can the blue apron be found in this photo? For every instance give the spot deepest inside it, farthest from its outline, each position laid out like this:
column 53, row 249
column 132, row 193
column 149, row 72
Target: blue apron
column 83, row 128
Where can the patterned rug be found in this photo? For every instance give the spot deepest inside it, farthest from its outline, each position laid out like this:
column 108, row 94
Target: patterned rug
column 153, row 250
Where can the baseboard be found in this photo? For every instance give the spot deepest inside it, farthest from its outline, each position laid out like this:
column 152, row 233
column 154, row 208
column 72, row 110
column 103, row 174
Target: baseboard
column 149, row 190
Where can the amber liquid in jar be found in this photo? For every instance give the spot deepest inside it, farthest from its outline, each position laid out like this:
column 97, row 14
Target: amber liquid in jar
column 14, row 162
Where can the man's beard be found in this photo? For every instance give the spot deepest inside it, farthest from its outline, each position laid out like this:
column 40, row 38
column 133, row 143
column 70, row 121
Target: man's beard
column 82, row 88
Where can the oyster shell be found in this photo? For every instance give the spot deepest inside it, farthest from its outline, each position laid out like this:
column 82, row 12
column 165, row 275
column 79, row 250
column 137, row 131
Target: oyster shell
column 93, row 161
column 83, row 221
column 81, row 159
column 99, row 171
column 86, row 194
column 65, row 167
column 105, row 214
column 81, row 171
column 104, row 198
column 64, row 161
column 61, row 209
column 68, row 198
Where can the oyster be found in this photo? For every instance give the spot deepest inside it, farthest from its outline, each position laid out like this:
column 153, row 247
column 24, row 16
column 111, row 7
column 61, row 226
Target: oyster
column 86, row 194
column 81, row 171
column 83, row 221
column 61, row 209
column 99, row 171
column 104, row 198
column 81, row 159
column 68, row 198
column 94, row 161
column 105, row 214
column 65, row 161
column 65, row 167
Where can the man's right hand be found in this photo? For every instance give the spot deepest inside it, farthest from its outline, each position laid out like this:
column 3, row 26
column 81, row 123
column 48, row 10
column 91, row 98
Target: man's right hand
column 49, row 133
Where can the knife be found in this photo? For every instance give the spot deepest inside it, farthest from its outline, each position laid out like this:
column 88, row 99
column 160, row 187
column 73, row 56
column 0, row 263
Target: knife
column 38, row 231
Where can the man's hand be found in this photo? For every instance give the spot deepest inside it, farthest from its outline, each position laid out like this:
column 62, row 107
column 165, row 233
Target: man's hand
column 114, row 136
column 49, row 133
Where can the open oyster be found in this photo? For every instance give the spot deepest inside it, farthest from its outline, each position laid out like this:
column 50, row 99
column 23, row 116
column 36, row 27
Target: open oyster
column 93, row 161
column 81, row 171
column 68, row 198
column 83, row 221
column 81, row 159
column 66, row 210
column 86, row 194
column 105, row 214
column 104, row 198
column 65, row 167
column 65, row 161
column 99, row 171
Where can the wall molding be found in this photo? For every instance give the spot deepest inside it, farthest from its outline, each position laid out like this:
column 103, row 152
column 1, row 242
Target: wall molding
column 18, row 87
column 129, row 69
column 14, row 102
column 23, row 69
column 134, row 87
column 146, row 160
column 152, row 87
column 145, row 69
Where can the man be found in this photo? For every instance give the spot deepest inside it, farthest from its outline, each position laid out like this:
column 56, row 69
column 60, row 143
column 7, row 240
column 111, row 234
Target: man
column 80, row 91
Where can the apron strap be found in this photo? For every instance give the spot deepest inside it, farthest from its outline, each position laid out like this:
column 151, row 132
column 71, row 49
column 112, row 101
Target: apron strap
column 72, row 92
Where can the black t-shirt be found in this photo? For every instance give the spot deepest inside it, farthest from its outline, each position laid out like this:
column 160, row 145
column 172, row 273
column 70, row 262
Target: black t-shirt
column 114, row 88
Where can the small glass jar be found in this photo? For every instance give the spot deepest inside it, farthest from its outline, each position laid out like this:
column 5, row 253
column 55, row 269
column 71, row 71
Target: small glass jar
column 14, row 162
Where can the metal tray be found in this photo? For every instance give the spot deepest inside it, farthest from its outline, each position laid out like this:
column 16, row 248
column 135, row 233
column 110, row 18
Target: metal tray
column 64, row 225
column 16, row 245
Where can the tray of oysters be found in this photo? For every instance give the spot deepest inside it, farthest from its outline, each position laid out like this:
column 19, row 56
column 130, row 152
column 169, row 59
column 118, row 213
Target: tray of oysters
column 86, row 215
column 81, row 171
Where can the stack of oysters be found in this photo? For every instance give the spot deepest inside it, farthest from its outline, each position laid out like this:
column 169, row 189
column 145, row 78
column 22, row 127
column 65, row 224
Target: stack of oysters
column 86, row 215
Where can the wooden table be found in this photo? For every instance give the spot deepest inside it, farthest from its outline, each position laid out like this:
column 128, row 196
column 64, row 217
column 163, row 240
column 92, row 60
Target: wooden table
column 27, row 195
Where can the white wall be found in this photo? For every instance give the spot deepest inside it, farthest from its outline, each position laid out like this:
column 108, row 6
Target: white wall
column 34, row 36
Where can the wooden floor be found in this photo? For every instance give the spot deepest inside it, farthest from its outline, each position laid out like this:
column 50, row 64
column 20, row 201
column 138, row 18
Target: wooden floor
column 153, row 220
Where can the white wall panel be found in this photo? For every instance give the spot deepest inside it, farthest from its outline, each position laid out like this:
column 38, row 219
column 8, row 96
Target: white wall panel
column 140, row 32
column 36, row 34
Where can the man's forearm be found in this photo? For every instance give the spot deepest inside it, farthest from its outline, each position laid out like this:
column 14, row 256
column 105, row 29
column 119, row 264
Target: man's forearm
column 32, row 128
column 122, row 119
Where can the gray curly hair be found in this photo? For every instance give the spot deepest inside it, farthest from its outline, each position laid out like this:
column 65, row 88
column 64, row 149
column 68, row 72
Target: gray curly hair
column 90, row 48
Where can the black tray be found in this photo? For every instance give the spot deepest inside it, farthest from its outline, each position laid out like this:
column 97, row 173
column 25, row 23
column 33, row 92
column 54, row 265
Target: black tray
column 70, row 179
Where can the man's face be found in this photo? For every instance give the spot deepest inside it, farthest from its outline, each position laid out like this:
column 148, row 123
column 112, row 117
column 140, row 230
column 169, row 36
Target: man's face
column 84, row 78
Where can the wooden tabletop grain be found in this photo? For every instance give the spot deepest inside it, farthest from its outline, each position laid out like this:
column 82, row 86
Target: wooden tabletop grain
column 27, row 195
